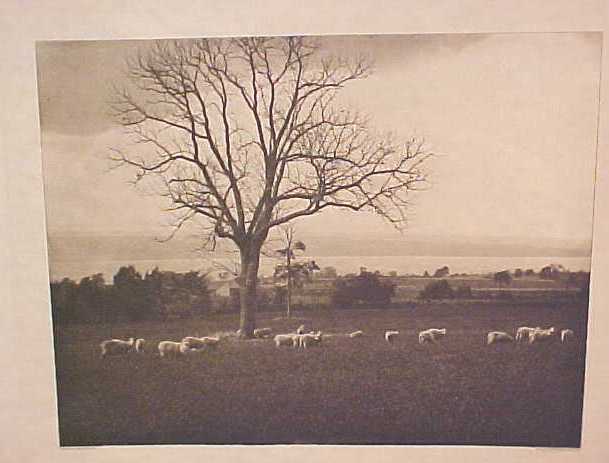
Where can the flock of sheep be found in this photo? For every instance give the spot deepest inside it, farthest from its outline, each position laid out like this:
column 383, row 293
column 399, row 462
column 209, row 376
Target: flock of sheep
column 524, row 333
column 300, row 339
column 188, row 345
column 531, row 335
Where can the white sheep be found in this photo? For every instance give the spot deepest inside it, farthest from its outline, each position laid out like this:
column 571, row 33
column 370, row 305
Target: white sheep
column 309, row 339
column 498, row 336
column 262, row 332
column 356, row 334
column 172, row 348
column 116, row 347
column 566, row 334
column 292, row 339
column 542, row 335
column 437, row 331
column 192, row 342
column 524, row 332
column 300, row 329
column 390, row 334
column 431, row 335
column 139, row 345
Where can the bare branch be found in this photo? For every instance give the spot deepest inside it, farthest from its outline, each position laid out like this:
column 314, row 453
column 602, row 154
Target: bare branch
column 246, row 135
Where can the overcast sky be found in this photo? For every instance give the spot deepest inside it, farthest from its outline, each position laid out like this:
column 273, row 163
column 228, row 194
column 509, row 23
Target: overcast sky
column 512, row 117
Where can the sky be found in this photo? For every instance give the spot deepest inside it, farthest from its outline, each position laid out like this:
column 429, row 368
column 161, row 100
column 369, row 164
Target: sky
column 512, row 119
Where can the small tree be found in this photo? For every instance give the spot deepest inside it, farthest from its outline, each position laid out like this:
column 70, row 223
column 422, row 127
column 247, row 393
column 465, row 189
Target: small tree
column 551, row 272
column 442, row 272
column 294, row 273
column 155, row 295
column 130, row 293
column 503, row 278
column 90, row 303
column 518, row 273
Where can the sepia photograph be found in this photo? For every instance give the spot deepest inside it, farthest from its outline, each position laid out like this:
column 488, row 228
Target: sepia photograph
column 333, row 239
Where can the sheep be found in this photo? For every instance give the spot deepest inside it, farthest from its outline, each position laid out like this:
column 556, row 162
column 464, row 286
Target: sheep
column 356, row 334
column 262, row 332
column 300, row 329
column 437, row 331
column 177, row 349
column 524, row 333
column 171, row 348
column 390, row 334
column 566, row 334
column 116, row 347
column 292, row 339
column 192, row 342
column 310, row 339
column 431, row 335
column 498, row 336
column 139, row 345
column 542, row 335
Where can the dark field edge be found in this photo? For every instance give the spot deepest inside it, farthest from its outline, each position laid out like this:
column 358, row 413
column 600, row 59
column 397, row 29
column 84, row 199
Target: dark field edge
column 329, row 443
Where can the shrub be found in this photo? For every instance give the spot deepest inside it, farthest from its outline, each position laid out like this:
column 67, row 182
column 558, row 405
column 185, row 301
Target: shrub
column 503, row 278
column 437, row 290
column 365, row 289
column 442, row 272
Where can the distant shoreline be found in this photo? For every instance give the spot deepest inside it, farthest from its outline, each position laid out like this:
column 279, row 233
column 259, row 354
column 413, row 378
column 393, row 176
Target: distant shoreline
column 471, row 265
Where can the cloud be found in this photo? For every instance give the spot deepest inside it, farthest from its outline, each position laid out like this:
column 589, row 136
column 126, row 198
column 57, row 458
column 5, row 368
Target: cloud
column 75, row 82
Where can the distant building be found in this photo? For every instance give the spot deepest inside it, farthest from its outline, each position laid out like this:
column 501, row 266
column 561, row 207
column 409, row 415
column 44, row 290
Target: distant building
column 222, row 288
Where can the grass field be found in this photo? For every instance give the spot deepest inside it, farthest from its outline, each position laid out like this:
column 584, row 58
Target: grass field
column 349, row 391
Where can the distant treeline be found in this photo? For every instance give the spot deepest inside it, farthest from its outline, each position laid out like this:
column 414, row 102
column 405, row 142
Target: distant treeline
column 129, row 297
column 158, row 295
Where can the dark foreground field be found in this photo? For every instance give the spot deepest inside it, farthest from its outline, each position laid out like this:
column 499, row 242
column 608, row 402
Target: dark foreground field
column 354, row 391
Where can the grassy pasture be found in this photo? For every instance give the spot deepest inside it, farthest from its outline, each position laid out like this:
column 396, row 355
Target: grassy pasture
column 353, row 391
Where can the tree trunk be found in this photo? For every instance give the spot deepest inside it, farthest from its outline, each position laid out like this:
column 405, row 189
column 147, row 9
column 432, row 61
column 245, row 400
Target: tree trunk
column 250, row 261
column 289, row 285
column 289, row 298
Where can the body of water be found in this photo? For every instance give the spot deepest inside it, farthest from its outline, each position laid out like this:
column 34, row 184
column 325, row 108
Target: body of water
column 343, row 264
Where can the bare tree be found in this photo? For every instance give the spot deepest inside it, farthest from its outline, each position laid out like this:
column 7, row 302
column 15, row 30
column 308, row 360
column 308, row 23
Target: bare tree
column 246, row 134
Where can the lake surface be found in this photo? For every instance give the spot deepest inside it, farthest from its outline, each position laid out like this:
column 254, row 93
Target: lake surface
column 343, row 264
